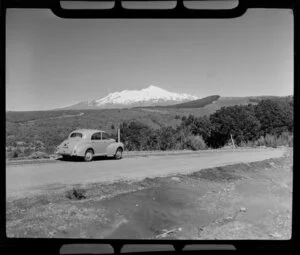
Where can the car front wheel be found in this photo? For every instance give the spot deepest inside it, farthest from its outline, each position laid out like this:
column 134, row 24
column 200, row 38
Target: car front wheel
column 88, row 155
column 118, row 154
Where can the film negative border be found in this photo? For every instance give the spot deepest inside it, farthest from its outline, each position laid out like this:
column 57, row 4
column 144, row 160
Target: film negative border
column 38, row 246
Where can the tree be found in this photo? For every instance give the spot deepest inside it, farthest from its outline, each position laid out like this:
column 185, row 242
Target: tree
column 135, row 135
column 275, row 116
column 200, row 126
column 167, row 138
column 238, row 121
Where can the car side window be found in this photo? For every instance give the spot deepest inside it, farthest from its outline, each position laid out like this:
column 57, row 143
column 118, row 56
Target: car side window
column 75, row 135
column 96, row 136
column 105, row 136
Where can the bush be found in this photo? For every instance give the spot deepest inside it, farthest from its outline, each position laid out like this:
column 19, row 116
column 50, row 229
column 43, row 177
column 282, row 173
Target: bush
column 290, row 140
column 76, row 193
column 284, row 139
column 270, row 141
column 167, row 138
column 15, row 154
column 9, row 154
column 261, row 141
column 39, row 155
column 195, row 143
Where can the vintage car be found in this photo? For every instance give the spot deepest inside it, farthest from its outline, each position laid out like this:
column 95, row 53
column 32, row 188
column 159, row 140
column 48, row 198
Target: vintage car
column 88, row 143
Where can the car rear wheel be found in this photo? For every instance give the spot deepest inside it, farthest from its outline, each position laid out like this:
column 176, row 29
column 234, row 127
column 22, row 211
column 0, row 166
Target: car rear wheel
column 65, row 157
column 89, row 154
column 118, row 154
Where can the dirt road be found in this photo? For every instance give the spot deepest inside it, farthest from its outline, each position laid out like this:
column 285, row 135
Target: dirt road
column 22, row 178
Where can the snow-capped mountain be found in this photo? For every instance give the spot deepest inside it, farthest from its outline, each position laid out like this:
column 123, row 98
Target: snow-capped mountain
column 150, row 96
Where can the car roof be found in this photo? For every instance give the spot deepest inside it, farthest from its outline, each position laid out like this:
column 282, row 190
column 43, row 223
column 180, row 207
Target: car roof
column 87, row 131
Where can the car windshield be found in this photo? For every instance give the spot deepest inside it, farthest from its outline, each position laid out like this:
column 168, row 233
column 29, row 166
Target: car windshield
column 75, row 135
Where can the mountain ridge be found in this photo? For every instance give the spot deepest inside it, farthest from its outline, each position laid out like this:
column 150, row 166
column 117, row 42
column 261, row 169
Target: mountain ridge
column 150, row 96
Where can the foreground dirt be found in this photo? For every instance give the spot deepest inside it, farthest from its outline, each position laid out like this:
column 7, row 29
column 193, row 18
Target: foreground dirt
column 239, row 201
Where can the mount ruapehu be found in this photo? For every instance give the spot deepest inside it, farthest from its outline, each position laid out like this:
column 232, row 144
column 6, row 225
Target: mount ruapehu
column 150, row 96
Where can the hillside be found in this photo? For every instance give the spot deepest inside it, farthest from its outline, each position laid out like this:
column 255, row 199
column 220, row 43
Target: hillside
column 44, row 130
column 49, row 128
column 198, row 103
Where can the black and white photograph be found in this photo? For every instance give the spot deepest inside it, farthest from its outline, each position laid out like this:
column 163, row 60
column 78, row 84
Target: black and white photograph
column 151, row 129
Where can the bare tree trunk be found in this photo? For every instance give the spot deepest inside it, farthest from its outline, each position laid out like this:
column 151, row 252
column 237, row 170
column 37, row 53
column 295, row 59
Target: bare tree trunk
column 233, row 145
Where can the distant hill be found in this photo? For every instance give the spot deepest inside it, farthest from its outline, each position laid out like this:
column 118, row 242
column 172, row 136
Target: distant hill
column 210, row 104
column 198, row 103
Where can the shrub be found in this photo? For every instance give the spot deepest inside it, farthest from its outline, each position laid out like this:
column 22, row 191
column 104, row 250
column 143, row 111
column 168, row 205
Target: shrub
column 270, row 141
column 9, row 154
column 284, row 139
column 178, row 146
column 76, row 193
column 195, row 142
column 39, row 155
column 15, row 154
column 290, row 140
column 247, row 144
column 197, row 126
column 167, row 138
column 261, row 141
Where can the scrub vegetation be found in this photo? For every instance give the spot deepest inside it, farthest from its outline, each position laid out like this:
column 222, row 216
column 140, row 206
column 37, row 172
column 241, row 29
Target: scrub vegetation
column 269, row 123
column 254, row 122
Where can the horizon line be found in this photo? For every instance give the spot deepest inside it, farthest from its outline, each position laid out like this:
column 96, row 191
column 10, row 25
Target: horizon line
column 61, row 109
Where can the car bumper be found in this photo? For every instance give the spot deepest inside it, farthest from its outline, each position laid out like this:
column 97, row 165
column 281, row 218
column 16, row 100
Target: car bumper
column 63, row 152
column 66, row 152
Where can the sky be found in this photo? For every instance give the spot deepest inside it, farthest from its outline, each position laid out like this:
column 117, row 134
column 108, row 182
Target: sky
column 53, row 62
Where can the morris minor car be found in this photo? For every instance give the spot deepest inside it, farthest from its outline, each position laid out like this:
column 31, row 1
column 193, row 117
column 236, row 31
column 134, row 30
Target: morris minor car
column 88, row 143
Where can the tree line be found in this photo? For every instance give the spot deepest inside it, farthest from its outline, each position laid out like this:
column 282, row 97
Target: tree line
column 268, row 123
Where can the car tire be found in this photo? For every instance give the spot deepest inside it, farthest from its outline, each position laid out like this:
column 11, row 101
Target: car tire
column 118, row 154
column 65, row 157
column 89, row 154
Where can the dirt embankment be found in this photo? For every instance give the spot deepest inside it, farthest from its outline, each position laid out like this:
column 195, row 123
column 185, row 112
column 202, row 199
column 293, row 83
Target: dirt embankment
column 241, row 201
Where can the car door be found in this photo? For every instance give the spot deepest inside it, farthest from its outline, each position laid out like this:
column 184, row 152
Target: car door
column 105, row 141
column 96, row 143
